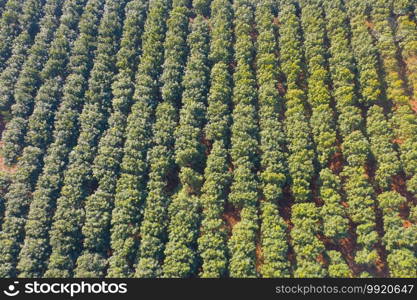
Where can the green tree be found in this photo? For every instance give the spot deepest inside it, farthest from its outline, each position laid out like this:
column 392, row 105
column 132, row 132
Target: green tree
column 272, row 140
column 381, row 137
column 131, row 185
column 30, row 164
column 319, row 98
column 308, row 248
column 98, row 206
column 333, row 214
column 296, row 126
column 338, row 267
column 212, row 241
column 244, row 146
column 162, row 169
column 22, row 46
column 180, row 249
column 4, row 186
column 65, row 233
column 35, row 251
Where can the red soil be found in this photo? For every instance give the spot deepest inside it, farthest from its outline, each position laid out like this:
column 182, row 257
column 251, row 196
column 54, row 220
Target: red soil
column 413, row 104
column 336, row 162
column 231, row 216
column 5, row 168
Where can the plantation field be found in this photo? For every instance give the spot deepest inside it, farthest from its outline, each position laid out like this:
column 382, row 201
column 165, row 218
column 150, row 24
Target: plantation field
column 208, row 138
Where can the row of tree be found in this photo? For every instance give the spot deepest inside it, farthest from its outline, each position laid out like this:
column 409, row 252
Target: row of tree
column 244, row 146
column 213, row 235
column 162, row 169
column 297, row 127
column 39, row 133
column 98, row 206
column 355, row 146
column 36, row 249
column 183, row 212
column 42, row 74
column 131, row 185
column 22, row 46
column 273, row 168
column 65, row 233
column 406, row 36
column 300, row 146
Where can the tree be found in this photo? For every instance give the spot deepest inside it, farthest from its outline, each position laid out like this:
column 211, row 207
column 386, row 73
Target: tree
column 65, row 235
column 406, row 33
column 212, row 241
column 400, row 241
column 131, row 185
column 333, row 214
column 244, row 146
column 180, row 249
column 319, row 98
column 297, row 128
column 30, row 164
column 4, row 186
column 35, row 250
column 98, row 206
column 272, row 140
column 33, row 94
column 23, row 44
column 337, row 266
column 308, row 248
column 381, row 136
column 162, row 169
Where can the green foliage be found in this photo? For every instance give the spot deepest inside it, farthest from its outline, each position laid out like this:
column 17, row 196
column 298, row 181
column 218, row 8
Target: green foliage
column 131, row 185
column 99, row 205
column 365, row 53
column 333, row 214
column 297, row 128
column 212, row 240
column 360, row 199
column 381, row 137
column 38, row 135
column 402, row 263
column 161, row 156
column 308, row 248
column 272, row 140
column 244, row 147
column 180, row 250
column 65, row 234
column 5, row 181
column 32, row 262
column 322, row 125
column 338, row 267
